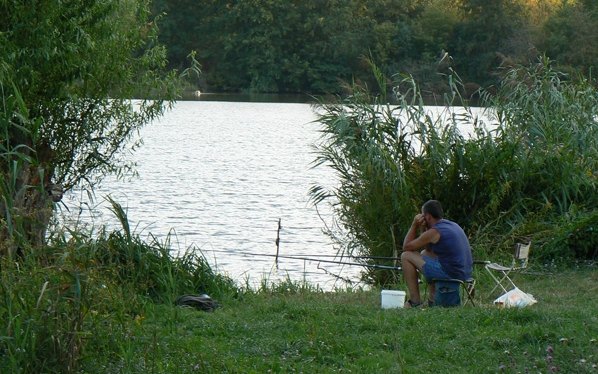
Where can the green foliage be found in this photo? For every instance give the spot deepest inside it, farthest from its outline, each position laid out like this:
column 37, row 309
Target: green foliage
column 566, row 238
column 362, row 144
column 42, row 316
column 485, row 30
column 77, row 81
column 569, row 37
column 389, row 159
column 149, row 267
column 277, row 46
column 76, row 73
column 524, row 167
column 11, row 160
column 88, row 294
column 313, row 46
column 552, row 120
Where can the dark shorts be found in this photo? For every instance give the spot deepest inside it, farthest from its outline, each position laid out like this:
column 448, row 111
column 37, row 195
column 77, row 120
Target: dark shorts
column 433, row 270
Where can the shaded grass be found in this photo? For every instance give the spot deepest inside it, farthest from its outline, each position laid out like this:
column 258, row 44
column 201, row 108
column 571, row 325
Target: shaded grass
column 310, row 331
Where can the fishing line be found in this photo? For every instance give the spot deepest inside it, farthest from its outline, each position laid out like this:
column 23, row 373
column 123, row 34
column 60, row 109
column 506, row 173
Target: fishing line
column 305, row 258
column 339, row 262
column 390, row 258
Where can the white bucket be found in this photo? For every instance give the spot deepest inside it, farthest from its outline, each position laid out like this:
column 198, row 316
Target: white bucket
column 393, row 299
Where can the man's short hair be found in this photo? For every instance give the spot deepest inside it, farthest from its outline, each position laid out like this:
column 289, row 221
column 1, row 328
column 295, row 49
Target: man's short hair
column 434, row 208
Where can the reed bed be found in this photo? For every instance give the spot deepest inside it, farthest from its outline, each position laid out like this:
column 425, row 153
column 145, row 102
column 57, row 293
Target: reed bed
column 525, row 170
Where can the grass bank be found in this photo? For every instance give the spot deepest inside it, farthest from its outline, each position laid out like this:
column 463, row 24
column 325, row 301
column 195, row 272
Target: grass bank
column 291, row 328
column 103, row 302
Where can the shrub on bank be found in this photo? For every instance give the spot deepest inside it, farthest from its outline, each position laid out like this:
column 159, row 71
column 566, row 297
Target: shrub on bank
column 524, row 169
column 88, row 291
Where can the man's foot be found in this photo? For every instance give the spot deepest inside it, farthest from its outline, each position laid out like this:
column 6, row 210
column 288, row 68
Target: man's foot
column 413, row 304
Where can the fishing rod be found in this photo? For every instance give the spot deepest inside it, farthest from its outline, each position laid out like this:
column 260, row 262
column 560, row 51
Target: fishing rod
column 304, row 258
column 373, row 266
column 355, row 257
column 318, row 256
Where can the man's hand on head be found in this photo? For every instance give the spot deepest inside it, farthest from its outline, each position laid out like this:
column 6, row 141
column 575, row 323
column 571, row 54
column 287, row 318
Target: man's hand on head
column 419, row 220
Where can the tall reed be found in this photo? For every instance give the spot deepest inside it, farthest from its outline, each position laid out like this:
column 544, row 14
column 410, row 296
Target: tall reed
column 13, row 156
column 549, row 120
column 527, row 162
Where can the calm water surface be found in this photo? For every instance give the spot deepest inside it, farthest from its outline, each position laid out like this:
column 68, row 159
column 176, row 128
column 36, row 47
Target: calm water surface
column 221, row 175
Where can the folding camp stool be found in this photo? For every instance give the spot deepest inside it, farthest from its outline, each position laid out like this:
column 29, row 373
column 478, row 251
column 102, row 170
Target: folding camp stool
column 466, row 288
column 520, row 261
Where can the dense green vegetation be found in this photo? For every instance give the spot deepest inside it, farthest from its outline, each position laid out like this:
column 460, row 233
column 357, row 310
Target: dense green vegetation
column 68, row 72
column 526, row 172
column 313, row 45
column 86, row 299
column 93, row 287
column 104, row 305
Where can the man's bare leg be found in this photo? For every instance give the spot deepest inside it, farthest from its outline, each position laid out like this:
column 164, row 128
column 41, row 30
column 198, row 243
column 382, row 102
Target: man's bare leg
column 431, row 286
column 412, row 262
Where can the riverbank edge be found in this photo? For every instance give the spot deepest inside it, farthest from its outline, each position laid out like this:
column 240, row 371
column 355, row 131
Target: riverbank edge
column 296, row 328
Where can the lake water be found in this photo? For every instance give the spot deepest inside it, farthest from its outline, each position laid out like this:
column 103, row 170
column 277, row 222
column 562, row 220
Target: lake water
column 221, row 174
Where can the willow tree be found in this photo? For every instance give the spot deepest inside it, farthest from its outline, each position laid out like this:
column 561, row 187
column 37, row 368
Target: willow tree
column 68, row 73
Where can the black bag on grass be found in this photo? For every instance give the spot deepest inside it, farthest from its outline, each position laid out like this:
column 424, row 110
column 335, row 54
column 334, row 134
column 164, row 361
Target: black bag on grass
column 199, row 302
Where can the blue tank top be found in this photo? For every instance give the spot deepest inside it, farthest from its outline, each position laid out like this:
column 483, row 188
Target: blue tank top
column 453, row 250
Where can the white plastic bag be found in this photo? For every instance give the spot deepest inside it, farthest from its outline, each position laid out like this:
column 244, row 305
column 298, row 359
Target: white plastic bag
column 515, row 298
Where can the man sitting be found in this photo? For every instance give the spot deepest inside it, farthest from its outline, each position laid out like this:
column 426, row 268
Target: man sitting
column 446, row 252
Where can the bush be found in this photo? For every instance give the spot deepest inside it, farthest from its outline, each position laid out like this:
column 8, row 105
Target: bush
column 42, row 312
column 527, row 165
column 91, row 287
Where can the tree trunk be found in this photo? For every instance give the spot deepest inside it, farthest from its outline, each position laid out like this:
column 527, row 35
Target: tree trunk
column 27, row 210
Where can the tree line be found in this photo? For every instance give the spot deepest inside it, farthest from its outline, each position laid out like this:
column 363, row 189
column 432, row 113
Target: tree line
column 314, row 45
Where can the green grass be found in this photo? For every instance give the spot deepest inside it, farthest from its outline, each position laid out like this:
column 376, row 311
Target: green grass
column 105, row 304
column 303, row 329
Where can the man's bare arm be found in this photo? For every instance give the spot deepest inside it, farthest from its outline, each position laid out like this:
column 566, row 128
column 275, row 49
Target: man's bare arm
column 412, row 242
